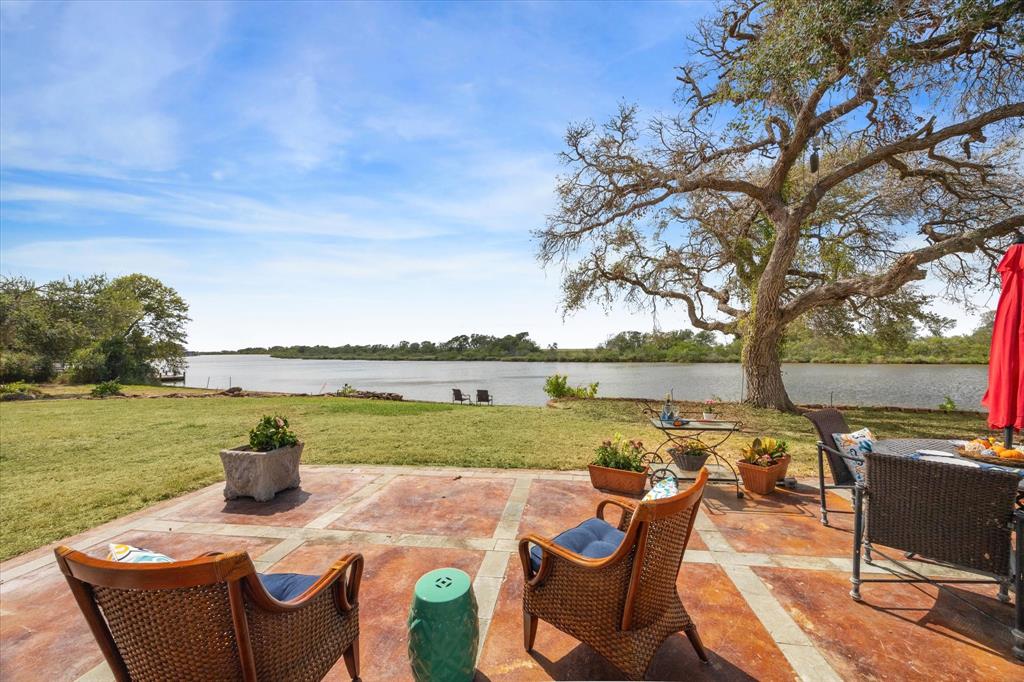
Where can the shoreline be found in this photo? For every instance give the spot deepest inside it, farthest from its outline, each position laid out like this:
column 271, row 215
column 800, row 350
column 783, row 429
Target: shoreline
column 897, row 361
column 560, row 403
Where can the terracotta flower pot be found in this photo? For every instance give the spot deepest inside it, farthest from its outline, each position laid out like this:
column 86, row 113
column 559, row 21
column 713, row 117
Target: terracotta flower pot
column 784, row 464
column 760, row 480
column 618, row 480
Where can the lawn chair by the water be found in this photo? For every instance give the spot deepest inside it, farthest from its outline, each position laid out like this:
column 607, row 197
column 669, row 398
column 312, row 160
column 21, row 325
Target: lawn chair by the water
column 459, row 397
column 483, row 397
column 215, row 618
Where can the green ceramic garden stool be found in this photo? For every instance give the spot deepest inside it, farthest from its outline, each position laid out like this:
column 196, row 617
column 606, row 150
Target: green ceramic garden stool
column 443, row 631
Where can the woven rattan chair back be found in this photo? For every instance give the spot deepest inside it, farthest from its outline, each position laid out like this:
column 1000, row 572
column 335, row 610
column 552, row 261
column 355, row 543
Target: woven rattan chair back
column 947, row 512
column 662, row 531
column 211, row 619
column 826, row 422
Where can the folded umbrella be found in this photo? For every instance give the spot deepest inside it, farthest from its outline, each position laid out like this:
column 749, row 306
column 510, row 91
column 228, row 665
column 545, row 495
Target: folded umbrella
column 1005, row 395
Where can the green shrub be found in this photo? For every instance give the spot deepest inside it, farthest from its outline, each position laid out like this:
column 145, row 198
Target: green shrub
column 106, row 388
column 17, row 390
column 18, row 366
column 557, row 386
column 271, row 433
column 347, row 390
column 947, row 405
column 620, row 453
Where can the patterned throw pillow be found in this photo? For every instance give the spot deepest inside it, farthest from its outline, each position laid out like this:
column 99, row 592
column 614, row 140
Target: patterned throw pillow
column 662, row 489
column 855, row 445
column 133, row 555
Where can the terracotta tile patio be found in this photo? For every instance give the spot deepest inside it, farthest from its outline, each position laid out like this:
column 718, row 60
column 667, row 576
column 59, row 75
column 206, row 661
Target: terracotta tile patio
column 764, row 581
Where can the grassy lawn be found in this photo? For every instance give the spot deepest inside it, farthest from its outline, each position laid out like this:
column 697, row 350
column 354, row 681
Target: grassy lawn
column 69, row 465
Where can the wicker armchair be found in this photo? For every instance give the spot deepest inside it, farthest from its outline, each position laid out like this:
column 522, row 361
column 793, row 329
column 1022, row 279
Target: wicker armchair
column 483, row 397
column 949, row 513
column 624, row 605
column 459, row 397
column 826, row 422
column 210, row 618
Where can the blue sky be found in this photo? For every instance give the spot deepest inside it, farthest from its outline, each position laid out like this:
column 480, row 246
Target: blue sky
column 317, row 173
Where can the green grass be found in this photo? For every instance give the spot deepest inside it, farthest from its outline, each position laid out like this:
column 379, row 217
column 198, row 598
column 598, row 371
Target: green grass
column 69, row 465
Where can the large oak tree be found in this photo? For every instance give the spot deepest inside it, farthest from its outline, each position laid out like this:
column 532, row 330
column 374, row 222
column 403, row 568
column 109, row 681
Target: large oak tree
column 825, row 157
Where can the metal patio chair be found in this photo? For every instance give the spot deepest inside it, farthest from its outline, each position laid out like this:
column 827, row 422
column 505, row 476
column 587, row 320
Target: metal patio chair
column 213, row 618
column 826, row 422
column 948, row 513
column 483, row 397
column 459, row 397
column 614, row 588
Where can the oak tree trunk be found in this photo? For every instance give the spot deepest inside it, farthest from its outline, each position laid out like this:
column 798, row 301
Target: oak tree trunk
column 763, row 368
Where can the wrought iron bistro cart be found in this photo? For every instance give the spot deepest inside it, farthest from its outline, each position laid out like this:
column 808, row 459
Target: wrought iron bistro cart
column 688, row 434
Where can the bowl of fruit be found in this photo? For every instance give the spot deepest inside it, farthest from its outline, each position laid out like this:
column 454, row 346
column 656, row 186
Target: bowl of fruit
column 992, row 451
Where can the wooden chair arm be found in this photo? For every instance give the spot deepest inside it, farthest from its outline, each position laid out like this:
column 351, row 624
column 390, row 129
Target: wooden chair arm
column 344, row 577
column 550, row 552
column 626, row 507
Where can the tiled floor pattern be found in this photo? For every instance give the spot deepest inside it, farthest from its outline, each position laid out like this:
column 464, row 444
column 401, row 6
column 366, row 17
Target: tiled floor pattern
column 765, row 582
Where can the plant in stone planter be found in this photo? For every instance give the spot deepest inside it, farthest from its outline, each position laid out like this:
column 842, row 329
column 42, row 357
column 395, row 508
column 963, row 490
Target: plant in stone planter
column 618, row 466
column 267, row 465
column 763, row 464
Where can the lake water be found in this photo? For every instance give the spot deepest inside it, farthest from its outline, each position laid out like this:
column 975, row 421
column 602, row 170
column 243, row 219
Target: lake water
column 522, row 383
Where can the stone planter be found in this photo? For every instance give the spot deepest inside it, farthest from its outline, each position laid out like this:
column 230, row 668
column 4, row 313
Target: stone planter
column 618, row 480
column 760, row 480
column 690, row 461
column 710, row 416
column 260, row 475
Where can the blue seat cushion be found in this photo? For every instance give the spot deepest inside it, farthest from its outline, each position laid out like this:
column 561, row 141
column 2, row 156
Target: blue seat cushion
column 594, row 539
column 286, row 586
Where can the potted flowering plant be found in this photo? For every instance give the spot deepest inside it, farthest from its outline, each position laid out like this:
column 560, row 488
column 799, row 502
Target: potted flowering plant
column 267, row 465
column 763, row 464
column 618, row 466
column 690, row 456
column 711, row 408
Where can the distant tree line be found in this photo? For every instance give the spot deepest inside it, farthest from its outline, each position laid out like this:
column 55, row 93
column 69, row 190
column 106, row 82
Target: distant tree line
column 807, row 341
column 89, row 330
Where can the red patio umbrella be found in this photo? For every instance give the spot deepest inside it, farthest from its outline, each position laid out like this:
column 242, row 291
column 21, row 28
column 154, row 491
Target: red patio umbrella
column 1005, row 395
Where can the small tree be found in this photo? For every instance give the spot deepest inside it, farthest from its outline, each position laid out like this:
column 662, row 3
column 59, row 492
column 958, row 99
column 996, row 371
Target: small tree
column 827, row 155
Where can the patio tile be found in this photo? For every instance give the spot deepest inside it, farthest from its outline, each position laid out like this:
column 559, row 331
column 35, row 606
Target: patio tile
column 785, row 522
column 43, row 633
column 739, row 647
column 555, row 506
column 900, row 631
column 390, row 573
column 319, row 492
column 433, row 505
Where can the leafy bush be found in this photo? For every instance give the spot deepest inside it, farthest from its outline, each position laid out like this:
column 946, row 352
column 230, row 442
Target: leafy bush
column 16, row 365
column 557, row 386
column 947, row 405
column 764, row 452
column 620, row 454
column 271, row 433
column 347, row 390
column 106, row 388
column 17, row 390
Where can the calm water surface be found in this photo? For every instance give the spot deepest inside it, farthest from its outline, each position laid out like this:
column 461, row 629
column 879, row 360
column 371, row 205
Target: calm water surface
column 522, row 383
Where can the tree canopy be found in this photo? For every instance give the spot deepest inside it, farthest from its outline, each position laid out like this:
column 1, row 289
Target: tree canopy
column 825, row 157
column 130, row 328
